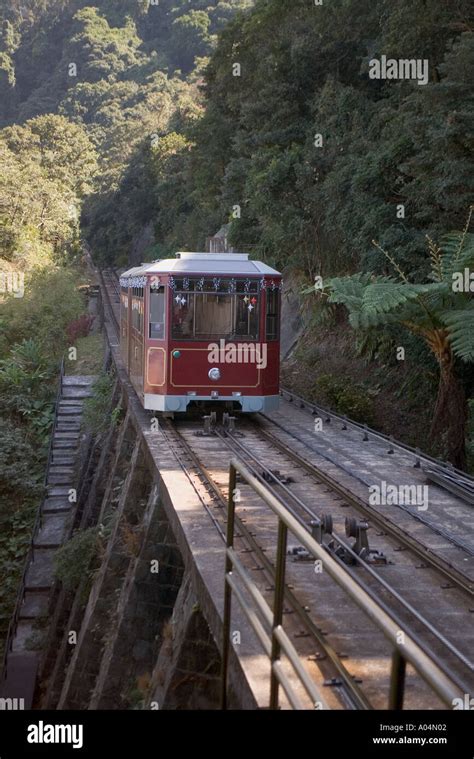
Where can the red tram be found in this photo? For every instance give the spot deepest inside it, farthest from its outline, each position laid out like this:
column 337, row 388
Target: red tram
column 202, row 327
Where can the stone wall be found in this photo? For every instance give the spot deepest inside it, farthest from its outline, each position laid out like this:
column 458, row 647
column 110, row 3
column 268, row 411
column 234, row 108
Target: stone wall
column 135, row 637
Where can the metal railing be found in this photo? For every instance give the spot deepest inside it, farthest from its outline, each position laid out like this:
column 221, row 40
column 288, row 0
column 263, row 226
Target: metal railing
column 38, row 524
column 277, row 643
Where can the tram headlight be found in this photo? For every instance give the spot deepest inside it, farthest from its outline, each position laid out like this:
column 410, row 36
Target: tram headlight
column 214, row 374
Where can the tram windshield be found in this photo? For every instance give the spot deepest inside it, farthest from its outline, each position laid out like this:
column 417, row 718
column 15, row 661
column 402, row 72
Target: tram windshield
column 209, row 309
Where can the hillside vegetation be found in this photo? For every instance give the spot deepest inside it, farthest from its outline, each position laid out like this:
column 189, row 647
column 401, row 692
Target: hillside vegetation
column 84, row 88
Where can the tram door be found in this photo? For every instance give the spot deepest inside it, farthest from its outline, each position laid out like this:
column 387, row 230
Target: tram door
column 135, row 354
column 155, row 364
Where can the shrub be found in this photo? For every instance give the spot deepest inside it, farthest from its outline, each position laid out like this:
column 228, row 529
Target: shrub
column 470, row 437
column 345, row 398
column 20, row 471
column 26, row 389
column 97, row 411
column 79, row 328
column 51, row 302
column 74, row 560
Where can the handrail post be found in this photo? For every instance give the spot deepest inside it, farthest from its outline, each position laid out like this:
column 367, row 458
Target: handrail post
column 227, row 588
column 397, row 681
column 278, row 602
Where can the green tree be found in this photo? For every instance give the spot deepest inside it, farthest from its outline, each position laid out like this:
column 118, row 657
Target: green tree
column 189, row 39
column 440, row 312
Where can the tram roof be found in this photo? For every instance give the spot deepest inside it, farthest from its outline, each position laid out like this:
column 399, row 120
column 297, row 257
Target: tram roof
column 204, row 263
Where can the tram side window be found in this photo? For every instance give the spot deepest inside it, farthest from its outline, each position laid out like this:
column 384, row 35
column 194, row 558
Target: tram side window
column 137, row 308
column 157, row 314
column 272, row 315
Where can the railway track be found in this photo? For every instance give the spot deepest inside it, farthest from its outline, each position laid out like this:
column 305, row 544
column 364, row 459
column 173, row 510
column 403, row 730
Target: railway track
column 331, row 668
column 303, row 511
column 391, row 585
column 446, row 474
column 384, row 522
column 110, row 288
column 443, row 533
column 345, row 656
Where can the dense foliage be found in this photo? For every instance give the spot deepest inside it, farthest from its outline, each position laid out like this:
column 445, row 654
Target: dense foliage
column 121, row 74
column 304, row 72
column 128, row 74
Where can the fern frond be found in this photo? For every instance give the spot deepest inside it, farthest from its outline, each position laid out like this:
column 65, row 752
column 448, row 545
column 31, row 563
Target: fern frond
column 436, row 260
column 453, row 260
column 461, row 331
column 390, row 258
column 464, row 233
column 348, row 290
column 388, row 295
column 366, row 320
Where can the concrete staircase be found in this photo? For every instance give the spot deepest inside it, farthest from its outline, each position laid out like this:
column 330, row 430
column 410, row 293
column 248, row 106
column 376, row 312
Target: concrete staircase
column 56, row 518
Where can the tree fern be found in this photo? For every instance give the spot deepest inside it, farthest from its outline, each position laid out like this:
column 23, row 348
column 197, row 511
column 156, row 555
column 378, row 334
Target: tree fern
column 461, row 331
column 371, row 301
column 436, row 312
column 387, row 295
column 457, row 253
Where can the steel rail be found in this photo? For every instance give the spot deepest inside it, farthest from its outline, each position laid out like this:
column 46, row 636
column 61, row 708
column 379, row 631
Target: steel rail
column 380, row 436
column 109, row 301
column 385, row 524
column 406, row 605
column 427, row 522
column 409, row 651
column 354, row 695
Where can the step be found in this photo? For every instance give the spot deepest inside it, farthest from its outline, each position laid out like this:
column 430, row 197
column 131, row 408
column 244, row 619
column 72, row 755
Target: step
column 76, row 392
column 65, row 402
column 40, row 573
column 56, row 505
column 60, row 463
column 53, row 531
column 70, row 411
column 61, row 457
column 65, row 472
column 57, row 491
column 58, row 469
column 34, row 605
column 68, row 422
column 64, row 451
column 69, row 438
column 60, row 479
column 79, row 380
column 21, row 677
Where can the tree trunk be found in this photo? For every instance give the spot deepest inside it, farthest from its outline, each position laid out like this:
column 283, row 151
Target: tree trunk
column 448, row 429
